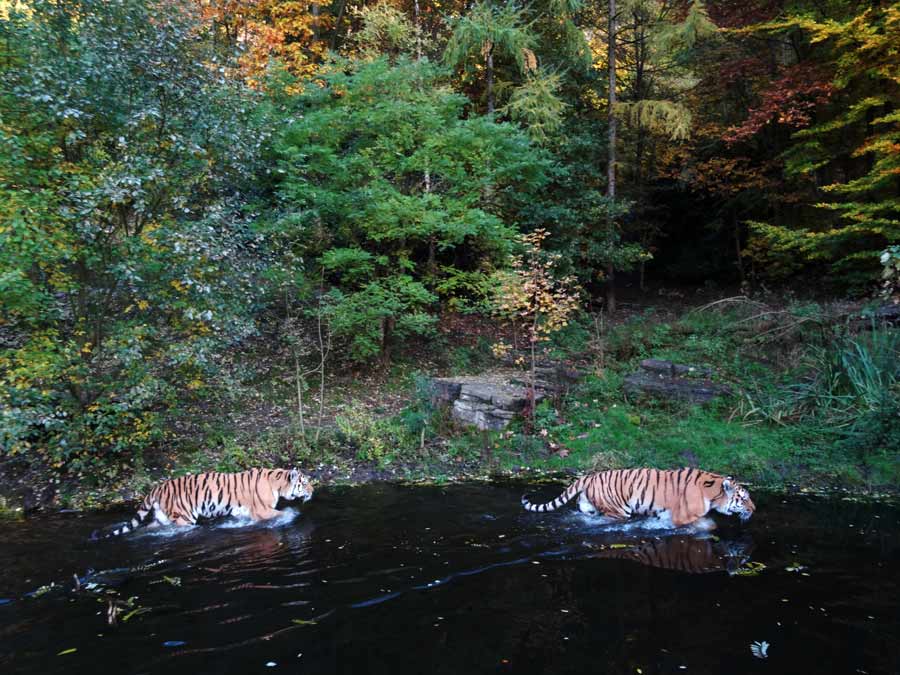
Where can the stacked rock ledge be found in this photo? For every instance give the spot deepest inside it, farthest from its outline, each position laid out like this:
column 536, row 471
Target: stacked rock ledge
column 488, row 402
column 665, row 379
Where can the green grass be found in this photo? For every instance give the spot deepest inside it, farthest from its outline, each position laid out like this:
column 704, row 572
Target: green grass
column 814, row 410
column 623, row 434
column 599, row 428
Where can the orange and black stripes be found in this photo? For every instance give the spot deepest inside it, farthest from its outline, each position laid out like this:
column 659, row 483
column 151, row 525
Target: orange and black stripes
column 186, row 499
column 683, row 554
column 683, row 494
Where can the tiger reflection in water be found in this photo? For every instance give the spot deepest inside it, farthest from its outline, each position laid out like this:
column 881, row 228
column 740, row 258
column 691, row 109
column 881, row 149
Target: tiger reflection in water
column 691, row 555
column 256, row 558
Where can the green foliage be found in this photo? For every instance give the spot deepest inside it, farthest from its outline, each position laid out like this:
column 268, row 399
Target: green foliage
column 373, row 314
column 156, row 213
column 861, row 51
column 373, row 438
column 491, row 29
column 416, row 416
column 464, row 291
column 386, row 30
column 123, row 257
column 851, row 378
column 387, row 184
column 466, row 359
column 537, row 106
column 662, row 117
column 875, row 439
column 638, row 338
column 572, row 339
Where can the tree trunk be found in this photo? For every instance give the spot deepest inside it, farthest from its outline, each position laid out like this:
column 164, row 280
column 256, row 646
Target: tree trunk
column 387, row 330
column 337, row 25
column 299, row 381
column 418, row 32
column 490, row 81
column 324, row 349
column 611, row 288
column 314, row 7
column 736, row 226
column 611, row 165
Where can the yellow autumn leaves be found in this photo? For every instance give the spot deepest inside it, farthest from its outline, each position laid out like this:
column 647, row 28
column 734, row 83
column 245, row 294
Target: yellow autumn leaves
column 532, row 295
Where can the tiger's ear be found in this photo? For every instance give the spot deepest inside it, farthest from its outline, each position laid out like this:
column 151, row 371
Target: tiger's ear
column 295, row 475
column 728, row 485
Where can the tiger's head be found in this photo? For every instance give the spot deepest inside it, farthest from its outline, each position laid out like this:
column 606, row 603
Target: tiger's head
column 734, row 500
column 300, row 486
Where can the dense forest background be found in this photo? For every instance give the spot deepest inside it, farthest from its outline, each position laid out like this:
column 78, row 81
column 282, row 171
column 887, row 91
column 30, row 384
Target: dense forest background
column 179, row 180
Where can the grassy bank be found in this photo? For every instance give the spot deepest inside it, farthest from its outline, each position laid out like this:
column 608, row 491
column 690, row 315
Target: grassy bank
column 814, row 403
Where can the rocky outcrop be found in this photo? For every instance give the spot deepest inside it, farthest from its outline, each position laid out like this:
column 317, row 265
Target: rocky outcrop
column 665, row 379
column 488, row 401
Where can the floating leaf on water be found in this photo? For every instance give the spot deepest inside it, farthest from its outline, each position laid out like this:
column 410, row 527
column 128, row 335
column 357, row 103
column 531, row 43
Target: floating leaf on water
column 43, row 589
column 135, row 612
column 750, row 569
column 618, row 546
column 795, row 567
column 71, row 650
column 760, row 649
column 303, row 622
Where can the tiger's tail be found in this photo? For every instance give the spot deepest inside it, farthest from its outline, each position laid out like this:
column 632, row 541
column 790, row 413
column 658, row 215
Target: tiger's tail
column 140, row 518
column 567, row 495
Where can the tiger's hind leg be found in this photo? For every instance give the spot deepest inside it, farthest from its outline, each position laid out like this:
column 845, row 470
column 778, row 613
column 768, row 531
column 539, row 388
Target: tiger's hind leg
column 585, row 506
column 599, row 518
column 180, row 520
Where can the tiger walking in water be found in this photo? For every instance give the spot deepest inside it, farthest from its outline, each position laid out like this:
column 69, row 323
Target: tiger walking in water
column 252, row 494
column 676, row 496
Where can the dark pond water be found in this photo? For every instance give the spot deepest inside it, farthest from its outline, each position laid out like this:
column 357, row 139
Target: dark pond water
column 390, row 579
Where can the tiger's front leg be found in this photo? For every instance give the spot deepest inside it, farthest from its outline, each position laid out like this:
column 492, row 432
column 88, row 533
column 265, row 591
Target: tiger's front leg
column 264, row 514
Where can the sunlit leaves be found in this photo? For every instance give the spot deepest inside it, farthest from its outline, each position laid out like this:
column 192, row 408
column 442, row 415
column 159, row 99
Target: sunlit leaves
column 862, row 51
column 531, row 292
column 537, row 106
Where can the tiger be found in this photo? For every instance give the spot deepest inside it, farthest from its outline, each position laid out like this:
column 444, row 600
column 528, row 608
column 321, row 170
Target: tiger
column 182, row 500
column 677, row 497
